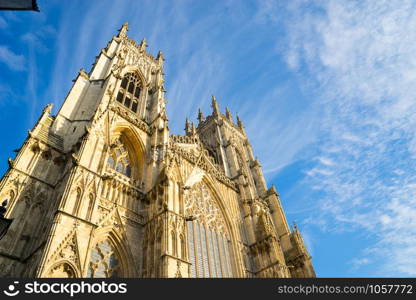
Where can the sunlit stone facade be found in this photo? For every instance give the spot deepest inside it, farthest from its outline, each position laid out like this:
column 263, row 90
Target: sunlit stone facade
column 102, row 189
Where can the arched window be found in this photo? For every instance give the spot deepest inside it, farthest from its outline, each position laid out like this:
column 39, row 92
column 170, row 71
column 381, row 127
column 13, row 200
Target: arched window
column 77, row 201
column 183, row 247
column 119, row 159
column 90, row 206
column 104, row 262
column 63, row 270
column 208, row 243
column 130, row 89
column 173, row 236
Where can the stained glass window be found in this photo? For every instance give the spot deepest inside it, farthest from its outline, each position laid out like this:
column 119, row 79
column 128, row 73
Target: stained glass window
column 119, row 159
column 209, row 252
column 130, row 89
column 208, row 244
column 191, row 249
column 104, row 262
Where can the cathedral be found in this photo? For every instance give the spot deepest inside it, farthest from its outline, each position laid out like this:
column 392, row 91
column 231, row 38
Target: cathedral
column 102, row 189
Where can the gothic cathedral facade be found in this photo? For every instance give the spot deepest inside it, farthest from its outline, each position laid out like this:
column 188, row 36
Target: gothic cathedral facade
column 102, row 189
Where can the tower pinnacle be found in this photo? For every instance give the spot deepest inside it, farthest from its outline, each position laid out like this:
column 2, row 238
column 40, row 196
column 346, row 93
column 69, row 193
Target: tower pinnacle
column 123, row 30
column 228, row 114
column 187, row 126
column 215, row 106
column 200, row 116
column 143, row 45
column 239, row 123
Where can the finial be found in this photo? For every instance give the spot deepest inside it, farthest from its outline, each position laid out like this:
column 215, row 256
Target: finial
column 83, row 73
column 187, row 126
column 215, row 106
column 273, row 189
column 193, row 129
column 200, row 116
column 159, row 56
column 143, row 45
column 239, row 123
column 48, row 109
column 228, row 114
column 123, row 30
column 295, row 227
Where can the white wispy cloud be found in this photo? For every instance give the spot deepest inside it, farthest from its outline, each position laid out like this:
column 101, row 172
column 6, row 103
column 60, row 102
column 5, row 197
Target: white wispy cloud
column 359, row 56
column 359, row 262
column 15, row 62
column 3, row 23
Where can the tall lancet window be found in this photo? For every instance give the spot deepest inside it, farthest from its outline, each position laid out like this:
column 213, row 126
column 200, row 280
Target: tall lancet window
column 129, row 92
column 208, row 242
column 119, row 159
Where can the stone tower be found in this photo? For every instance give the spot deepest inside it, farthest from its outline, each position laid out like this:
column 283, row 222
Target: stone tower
column 102, row 189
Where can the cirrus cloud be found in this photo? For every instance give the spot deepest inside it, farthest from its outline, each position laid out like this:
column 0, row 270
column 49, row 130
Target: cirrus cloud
column 359, row 56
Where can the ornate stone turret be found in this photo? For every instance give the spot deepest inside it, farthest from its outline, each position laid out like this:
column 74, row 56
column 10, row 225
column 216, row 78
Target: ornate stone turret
column 143, row 45
column 264, row 220
column 122, row 33
column 215, row 107
column 200, row 116
column 228, row 114
column 187, row 127
column 159, row 58
column 239, row 123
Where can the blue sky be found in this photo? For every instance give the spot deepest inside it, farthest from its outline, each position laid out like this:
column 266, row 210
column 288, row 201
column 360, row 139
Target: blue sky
column 325, row 89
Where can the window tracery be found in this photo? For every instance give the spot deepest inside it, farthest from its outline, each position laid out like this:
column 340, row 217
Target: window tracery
column 104, row 261
column 63, row 270
column 118, row 159
column 208, row 244
column 130, row 90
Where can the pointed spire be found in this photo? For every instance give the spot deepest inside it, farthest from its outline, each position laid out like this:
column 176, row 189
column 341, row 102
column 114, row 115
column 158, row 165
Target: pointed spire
column 143, row 45
column 160, row 57
column 48, row 109
column 228, row 114
column 239, row 123
column 200, row 116
column 215, row 107
column 123, row 30
column 295, row 226
column 193, row 129
column 273, row 190
column 187, row 126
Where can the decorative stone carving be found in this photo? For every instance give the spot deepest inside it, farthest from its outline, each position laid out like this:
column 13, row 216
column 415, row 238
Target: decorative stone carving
column 63, row 270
